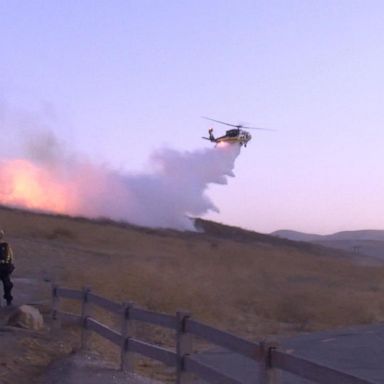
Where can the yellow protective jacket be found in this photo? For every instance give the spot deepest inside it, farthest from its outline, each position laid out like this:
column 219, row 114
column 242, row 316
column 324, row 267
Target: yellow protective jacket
column 9, row 259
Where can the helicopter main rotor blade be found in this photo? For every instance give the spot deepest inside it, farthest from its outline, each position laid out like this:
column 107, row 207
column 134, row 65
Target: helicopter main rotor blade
column 262, row 129
column 238, row 126
column 222, row 122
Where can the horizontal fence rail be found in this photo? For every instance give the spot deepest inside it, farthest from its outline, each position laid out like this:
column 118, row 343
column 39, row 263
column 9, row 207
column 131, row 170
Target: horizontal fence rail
column 266, row 355
column 69, row 293
column 104, row 331
column 224, row 339
column 154, row 318
column 312, row 371
column 154, row 352
column 106, row 304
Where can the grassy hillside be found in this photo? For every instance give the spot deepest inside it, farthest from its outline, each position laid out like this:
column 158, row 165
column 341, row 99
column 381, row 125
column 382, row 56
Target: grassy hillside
column 246, row 282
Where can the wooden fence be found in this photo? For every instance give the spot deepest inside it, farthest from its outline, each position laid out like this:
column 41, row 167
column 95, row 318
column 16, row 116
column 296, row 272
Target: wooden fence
column 267, row 355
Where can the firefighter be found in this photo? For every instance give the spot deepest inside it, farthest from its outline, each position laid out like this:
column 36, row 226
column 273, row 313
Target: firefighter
column 6, row 268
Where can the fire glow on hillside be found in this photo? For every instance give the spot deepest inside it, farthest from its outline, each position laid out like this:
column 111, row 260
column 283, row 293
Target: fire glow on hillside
column 163, row 198
column 29, row 186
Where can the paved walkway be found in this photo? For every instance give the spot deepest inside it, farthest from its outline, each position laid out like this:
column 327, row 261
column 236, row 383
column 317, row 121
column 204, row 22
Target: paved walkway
column 29, row 291
column 355, row 350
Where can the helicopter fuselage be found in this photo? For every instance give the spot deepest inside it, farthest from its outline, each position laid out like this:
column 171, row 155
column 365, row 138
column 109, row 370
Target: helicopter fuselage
column 234, row 135
column 231, row 136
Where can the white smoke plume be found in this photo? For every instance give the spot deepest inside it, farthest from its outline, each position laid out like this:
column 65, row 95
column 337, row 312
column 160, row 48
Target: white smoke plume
column 52, row 179
column 178, row 185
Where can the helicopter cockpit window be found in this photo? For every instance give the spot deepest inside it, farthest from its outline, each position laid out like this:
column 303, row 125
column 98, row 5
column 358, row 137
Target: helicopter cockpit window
column 232, row 133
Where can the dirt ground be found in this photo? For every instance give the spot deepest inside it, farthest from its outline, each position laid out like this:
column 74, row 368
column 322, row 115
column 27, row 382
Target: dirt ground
column 25, row 354
column 88, row 368
column 50, row 355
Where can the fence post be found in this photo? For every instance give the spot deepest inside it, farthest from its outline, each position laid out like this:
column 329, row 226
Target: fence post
column 268, row 374
column 85, row 313
column 126, row 356
column 55, row 317
column 183, row 348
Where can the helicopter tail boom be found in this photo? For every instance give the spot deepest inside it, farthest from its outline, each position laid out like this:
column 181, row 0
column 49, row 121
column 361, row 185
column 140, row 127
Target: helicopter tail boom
column 211, row 137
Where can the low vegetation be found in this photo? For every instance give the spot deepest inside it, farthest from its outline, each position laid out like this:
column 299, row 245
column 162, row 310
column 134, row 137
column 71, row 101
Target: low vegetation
column 249, row 283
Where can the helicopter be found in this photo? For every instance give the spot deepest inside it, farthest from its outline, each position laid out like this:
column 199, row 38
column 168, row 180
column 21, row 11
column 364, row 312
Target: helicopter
column 236, row 135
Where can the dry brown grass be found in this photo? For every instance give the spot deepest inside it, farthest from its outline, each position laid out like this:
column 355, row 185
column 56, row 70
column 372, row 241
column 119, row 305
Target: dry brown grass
column 251, row 286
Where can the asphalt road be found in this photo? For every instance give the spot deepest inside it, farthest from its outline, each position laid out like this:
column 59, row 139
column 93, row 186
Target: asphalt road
column 357, row 350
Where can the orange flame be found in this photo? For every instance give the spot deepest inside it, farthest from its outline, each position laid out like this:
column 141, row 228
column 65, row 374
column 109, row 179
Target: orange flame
column 26, row 185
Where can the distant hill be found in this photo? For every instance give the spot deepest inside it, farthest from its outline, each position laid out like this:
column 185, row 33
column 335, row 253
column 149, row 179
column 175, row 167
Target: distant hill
column 368, row 234
column 363, row 242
